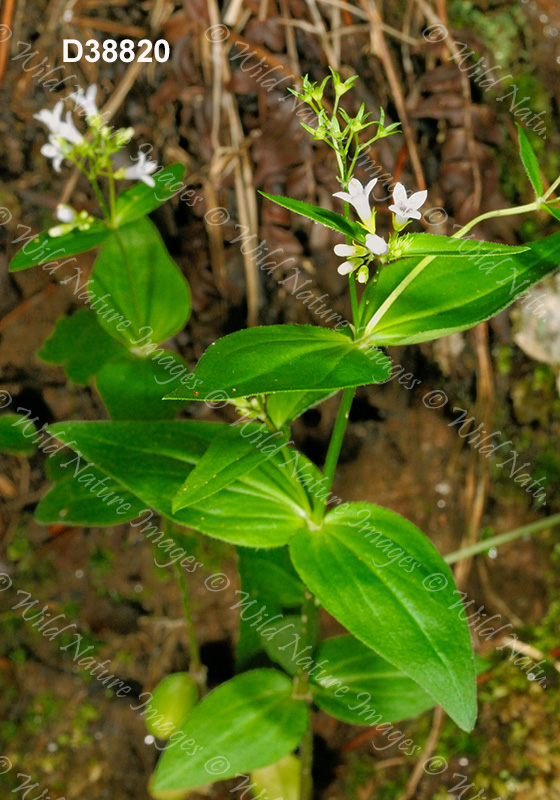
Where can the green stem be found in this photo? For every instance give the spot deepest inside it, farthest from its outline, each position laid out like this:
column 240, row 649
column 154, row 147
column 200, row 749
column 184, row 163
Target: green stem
column 335, row 444
column 301, row 691
column 353, row 298
column 306, row 759
column 112, row 198
column 100, row 198
column 552, row 188
column 196, row 669
column 502, row 538
column 502, row 212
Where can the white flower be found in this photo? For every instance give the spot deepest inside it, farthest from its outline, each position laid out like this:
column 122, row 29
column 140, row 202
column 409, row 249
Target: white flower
column 58, row 128
column 86, row 101
column 358, row 197
column 376, row 244
column 142, row 170
column 65, row 213
column 405, row 208
column 53, row 149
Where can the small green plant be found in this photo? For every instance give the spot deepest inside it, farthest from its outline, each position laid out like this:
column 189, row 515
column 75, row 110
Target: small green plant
column 299, row 546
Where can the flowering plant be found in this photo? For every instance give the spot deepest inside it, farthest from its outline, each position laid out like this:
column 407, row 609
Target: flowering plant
column 299, row 547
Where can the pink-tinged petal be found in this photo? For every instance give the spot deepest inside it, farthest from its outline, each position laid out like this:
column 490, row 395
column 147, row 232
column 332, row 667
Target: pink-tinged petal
column 346, row 268
column 417, row 199
column 399, row 194
column 376, row 244
column 344, row 250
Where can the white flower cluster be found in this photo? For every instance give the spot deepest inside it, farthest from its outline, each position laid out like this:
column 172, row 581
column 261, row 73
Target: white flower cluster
column 404, row 209
column 66, row 141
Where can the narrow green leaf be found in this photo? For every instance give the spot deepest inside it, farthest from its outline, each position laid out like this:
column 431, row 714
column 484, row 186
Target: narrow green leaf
column 131, row 386
column 80, row 345
column 17, row 434
column 425, row 244
column 43, row 248
column 448, row 295
column 322, row 215
column 247, row 723
column 142, row 199
column 283, row 358
column 233, row 453
column 148, row 298
column 362, row 688
column 395, row 593
column 153, row 459
column 530, row 161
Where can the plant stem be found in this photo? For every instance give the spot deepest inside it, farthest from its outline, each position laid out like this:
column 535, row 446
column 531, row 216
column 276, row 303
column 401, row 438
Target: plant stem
column 336, row 443
column 306, row 758
column 196, row 669
column 353, row 297
column 301, row 690
column 502, row 212
column 552, row 188
column 502, row 538
column 112, row 196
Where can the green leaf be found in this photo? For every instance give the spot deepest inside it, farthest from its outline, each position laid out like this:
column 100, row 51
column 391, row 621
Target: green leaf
column 322, row 215
column 386, row 595
column 80, row 345
column 141, row 199
column 269, row 576
column 153, row 459
column 43, row 248
column 149, row 300
column 425, row 244
column 554, row 211
column 84, row 495
column 283, row 358
column 12, row 437
column 448, row 295
column 247, row 723
column 268, row 582
column 280, row 780
column 362, row 688
column 131, row 386
column 290, row 643
column 233, row 453
column 530, row 161
column 283, row 408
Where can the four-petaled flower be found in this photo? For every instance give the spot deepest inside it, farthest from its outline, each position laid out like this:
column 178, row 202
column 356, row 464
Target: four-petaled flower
column 86, row 100
column 406, row 208
column 358, row 197
column 141, row 171
column 59, row 129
